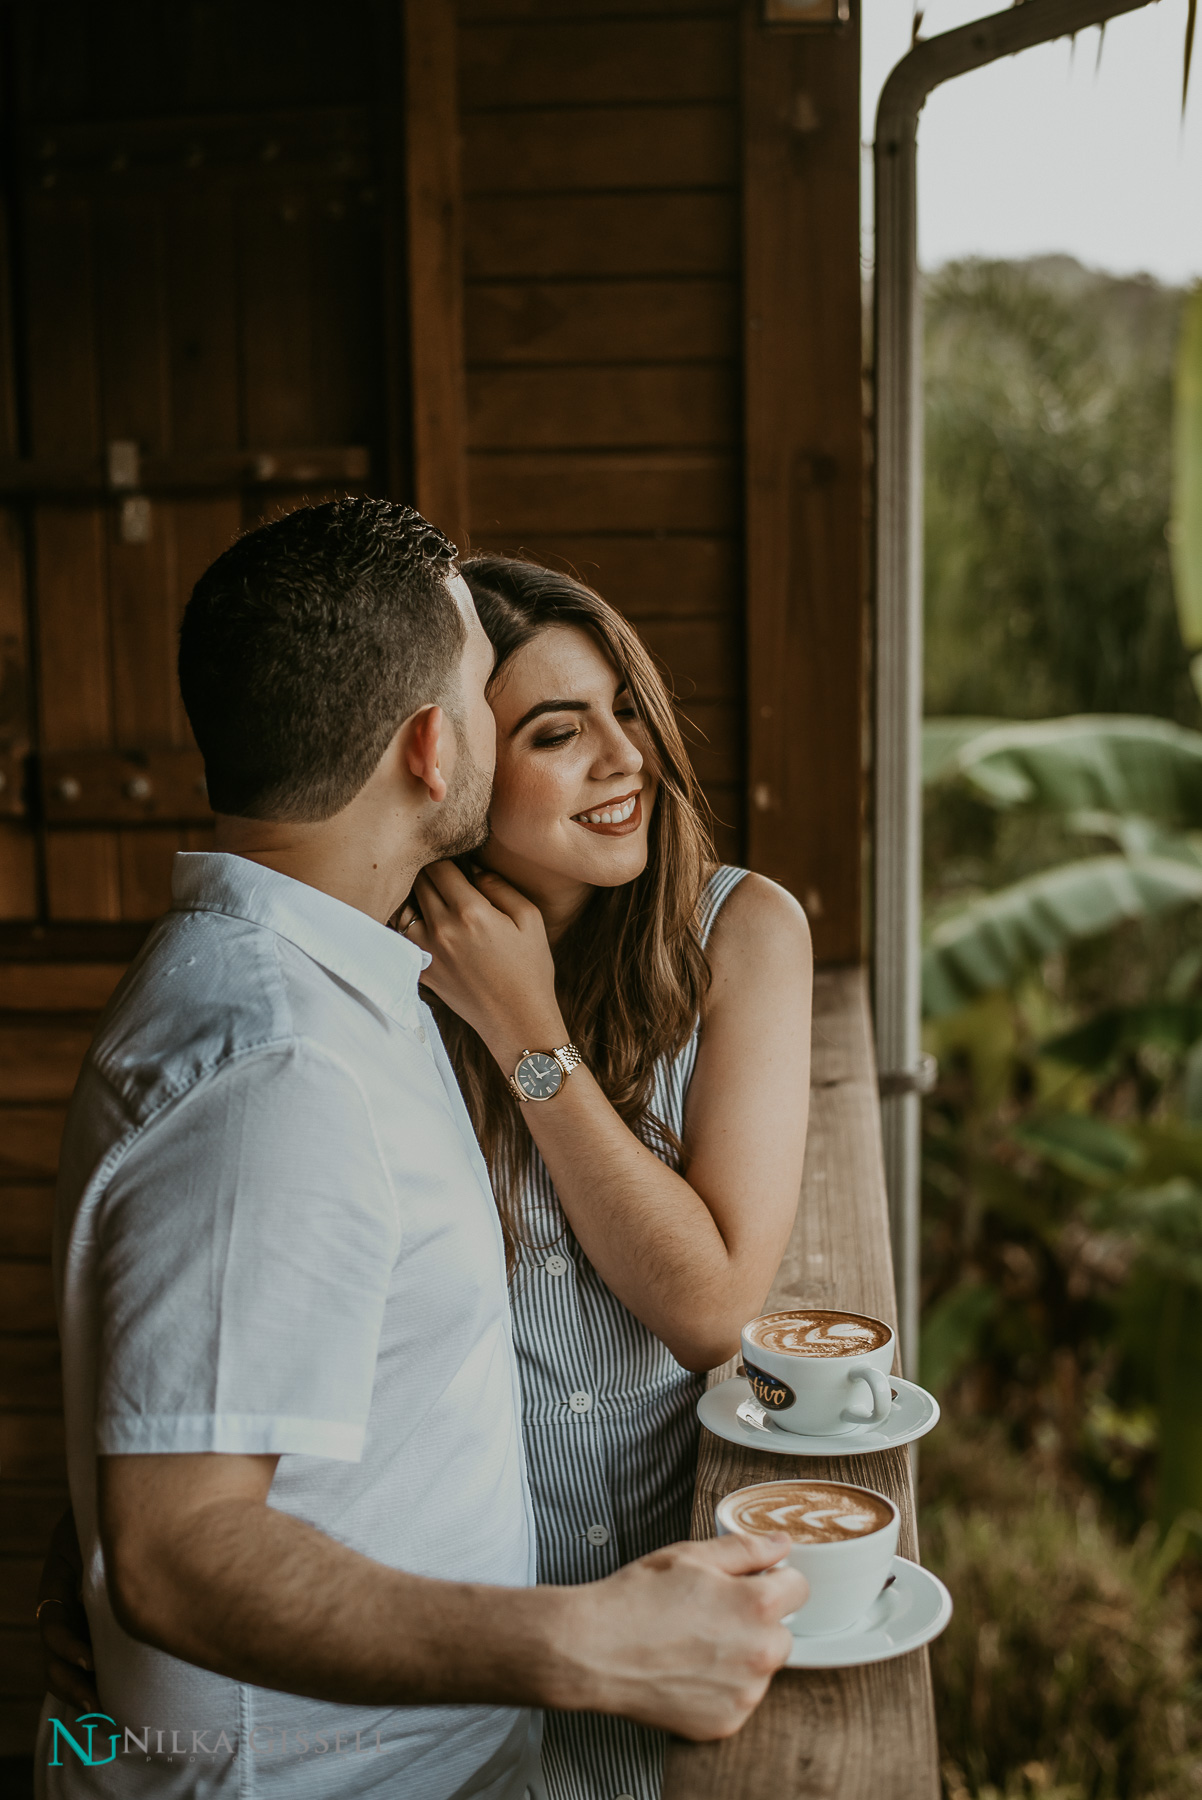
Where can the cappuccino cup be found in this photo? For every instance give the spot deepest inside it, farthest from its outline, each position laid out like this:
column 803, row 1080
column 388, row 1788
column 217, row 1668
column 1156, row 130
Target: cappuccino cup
column 844, row 1542
column 814, row 1369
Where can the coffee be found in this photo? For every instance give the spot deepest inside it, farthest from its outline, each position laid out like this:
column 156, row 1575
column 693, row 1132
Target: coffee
column 815, row 1333
column 811, row 1512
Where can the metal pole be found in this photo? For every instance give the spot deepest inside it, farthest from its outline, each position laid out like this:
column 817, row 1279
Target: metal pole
column 897, row 880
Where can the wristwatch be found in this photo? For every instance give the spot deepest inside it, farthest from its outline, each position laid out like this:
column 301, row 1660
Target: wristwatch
column 540, row 1074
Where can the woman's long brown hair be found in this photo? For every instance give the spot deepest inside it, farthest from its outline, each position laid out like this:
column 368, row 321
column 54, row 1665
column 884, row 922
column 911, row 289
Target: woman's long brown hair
column 631, row 972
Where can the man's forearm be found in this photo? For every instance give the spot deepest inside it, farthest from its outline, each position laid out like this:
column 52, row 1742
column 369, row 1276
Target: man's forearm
column 262, row 1597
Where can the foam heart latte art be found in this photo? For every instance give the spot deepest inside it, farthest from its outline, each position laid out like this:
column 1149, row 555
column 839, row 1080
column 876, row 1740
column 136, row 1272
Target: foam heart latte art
column 815, row 1333
column 812, row 1512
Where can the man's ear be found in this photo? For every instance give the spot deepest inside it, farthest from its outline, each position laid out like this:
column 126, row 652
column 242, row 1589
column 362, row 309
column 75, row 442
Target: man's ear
column 423, row 740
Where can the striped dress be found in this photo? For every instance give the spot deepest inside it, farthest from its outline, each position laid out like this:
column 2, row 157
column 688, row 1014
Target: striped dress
column 610, row 1423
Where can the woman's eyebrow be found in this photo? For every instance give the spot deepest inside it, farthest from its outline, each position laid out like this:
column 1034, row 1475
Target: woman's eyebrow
column 549, row 706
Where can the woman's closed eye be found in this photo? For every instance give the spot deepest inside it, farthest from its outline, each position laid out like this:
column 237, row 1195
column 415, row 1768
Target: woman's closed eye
column 550, row 740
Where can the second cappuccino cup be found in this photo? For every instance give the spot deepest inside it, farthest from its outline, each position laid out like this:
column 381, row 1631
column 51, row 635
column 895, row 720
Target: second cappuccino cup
column 819, row 1372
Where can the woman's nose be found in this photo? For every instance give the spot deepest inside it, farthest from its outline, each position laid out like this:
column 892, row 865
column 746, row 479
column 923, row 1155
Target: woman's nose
column 620, row 755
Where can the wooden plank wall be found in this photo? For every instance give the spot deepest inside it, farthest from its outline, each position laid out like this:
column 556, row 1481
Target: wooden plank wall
column 48, row 1012
column 601, row 256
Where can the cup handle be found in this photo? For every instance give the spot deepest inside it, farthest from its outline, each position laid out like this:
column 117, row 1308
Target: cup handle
column 882, row 1397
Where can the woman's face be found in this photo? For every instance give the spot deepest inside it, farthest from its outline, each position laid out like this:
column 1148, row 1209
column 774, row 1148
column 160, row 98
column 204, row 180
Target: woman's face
column 575, row 781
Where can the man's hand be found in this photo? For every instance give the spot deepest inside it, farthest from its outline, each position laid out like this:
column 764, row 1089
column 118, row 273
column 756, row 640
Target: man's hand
column 686, row 1639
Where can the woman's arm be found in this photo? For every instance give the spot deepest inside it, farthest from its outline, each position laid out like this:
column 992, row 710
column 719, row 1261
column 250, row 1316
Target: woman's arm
column 691, row 1255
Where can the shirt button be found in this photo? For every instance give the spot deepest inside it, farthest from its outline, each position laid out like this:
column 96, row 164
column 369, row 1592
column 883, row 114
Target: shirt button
column 598, row 1535
column 555, row 1265
column 580, row 1401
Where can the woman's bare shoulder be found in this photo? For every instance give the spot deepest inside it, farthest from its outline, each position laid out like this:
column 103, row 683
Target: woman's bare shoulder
column 761, row 932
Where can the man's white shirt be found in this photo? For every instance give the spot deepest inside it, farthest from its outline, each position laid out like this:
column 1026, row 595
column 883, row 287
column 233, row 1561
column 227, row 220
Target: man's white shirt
column 275, row 1234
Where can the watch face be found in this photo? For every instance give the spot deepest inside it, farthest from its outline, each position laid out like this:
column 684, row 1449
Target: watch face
column 539, row 1075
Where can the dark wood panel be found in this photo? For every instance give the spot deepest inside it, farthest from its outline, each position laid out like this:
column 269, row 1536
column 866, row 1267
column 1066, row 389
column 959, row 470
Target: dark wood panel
column 513, row 495
column 804, row 432
column 82, row 875
column 32, row 1447
column 19, row 1588
column 703, row 657
column 21, row 1664
column 555, row 148
column 18, row 871
column 660, row 575
column 144, row 859
column 277, row 346
column 201, row 281
column 26, row 1297
column 74, row 652
column 31, row 1374
column 41, row 1061
column 26, row 1218
column 132, row 359
column 19, row 1726
column 64, row 397
column 142, row 619
column 728, row 822
column 601, row 234
column 598, row 61
column 57, row 987
column 713, row 735
column 500, row 11
column 27, row 1516
column 602, row 321
column 693, row 405
column 111, row 787
column 29, row 1141
column 435, row 266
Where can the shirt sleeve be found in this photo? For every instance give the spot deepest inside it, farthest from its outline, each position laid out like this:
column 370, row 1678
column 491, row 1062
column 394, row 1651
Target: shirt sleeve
column 246, row 1246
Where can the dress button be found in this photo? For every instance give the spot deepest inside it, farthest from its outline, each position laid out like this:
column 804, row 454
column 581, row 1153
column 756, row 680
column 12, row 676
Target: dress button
column 555, row 1265
column 597, row 1535
column 580, row 1401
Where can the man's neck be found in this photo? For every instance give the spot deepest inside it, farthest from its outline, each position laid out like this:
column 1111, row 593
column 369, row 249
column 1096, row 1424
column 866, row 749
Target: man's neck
column 351, row 866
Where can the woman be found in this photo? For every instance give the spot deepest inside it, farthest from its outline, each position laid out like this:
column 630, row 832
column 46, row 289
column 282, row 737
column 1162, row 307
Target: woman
column 646, row 1204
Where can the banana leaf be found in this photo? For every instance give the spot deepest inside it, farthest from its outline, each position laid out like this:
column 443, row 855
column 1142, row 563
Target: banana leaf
column 992, row 941
column 1174, row 1025
column 951, row 1332
column 942, row 741
column 1087, row 1148
column 1093, row 763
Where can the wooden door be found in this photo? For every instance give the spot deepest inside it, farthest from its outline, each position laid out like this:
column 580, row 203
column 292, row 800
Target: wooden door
column 199, row 311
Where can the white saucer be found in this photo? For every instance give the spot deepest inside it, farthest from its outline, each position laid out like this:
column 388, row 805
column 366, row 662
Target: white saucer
column 911, row 1612
column 915, row 1412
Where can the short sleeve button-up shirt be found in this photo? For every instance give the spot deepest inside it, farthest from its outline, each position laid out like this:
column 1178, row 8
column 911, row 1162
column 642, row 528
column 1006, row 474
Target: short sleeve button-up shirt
column 276, row 1234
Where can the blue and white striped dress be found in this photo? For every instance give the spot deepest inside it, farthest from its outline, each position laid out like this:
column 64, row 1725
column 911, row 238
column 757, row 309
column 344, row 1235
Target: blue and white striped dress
column 610, row 1423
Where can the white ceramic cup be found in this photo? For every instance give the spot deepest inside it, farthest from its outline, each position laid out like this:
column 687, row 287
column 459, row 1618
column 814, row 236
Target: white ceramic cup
column 845, row 1578
column 821, row 1396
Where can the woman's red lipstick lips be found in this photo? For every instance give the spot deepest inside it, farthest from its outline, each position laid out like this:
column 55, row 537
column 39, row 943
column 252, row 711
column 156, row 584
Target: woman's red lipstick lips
column 627, row 825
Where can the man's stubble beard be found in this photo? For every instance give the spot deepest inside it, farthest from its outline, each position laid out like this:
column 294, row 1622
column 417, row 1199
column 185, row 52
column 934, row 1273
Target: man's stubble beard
column 461, row 823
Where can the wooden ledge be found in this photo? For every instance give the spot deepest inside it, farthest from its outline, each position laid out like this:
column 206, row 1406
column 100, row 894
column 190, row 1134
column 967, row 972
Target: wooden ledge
column 846, row 1734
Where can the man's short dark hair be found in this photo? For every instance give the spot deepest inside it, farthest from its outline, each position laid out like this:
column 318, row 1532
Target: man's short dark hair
column 305, row 646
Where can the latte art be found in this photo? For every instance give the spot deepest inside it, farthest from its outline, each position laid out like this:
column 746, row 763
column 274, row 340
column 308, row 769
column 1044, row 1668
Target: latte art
column 815, row 1333
column 812, row 1512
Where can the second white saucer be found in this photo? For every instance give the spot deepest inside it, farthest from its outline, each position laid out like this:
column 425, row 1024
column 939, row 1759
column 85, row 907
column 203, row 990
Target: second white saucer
column 915, row 1412
column 914, row 1608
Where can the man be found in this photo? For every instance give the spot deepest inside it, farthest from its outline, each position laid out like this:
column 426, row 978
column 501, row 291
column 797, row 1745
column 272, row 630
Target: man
column 292, row 1408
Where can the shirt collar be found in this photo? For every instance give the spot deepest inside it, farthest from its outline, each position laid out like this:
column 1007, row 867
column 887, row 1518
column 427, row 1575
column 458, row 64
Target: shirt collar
column 377, row 961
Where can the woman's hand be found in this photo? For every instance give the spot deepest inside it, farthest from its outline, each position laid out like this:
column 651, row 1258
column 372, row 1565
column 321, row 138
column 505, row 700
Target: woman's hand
column 492, row 962
column 63, row 1623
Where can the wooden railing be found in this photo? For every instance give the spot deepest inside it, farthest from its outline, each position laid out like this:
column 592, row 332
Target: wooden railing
column 846, row 1734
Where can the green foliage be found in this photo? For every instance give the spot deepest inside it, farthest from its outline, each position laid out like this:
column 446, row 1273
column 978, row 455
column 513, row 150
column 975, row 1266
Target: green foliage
column 1186, row 535
column 1048, row 418
column 1067, row 1668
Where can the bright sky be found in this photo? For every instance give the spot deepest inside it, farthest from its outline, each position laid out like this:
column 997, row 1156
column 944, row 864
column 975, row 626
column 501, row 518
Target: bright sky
column 1049, row 151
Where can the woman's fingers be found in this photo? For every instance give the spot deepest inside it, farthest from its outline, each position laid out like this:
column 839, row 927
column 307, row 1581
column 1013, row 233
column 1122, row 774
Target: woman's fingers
column 71, row 1685
column 430, row 899
column 448, row 881
column 504, row 896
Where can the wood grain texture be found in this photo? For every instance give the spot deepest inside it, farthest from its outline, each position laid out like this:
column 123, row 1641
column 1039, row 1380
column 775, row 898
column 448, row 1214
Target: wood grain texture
column 435, row 263
column 853, row 1734
column 804, row 481
column 40, row 1058
column 692, row 404
column 690, row 576
column 57, row 987
column 26, row 1219
column 601, row 147
column 617, row 321
column 575, row 61
column 568, row 492
column 26, row 1297
column 543, row 235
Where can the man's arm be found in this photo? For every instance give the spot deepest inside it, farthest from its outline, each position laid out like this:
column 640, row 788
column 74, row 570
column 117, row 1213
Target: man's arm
column 200, row 1565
